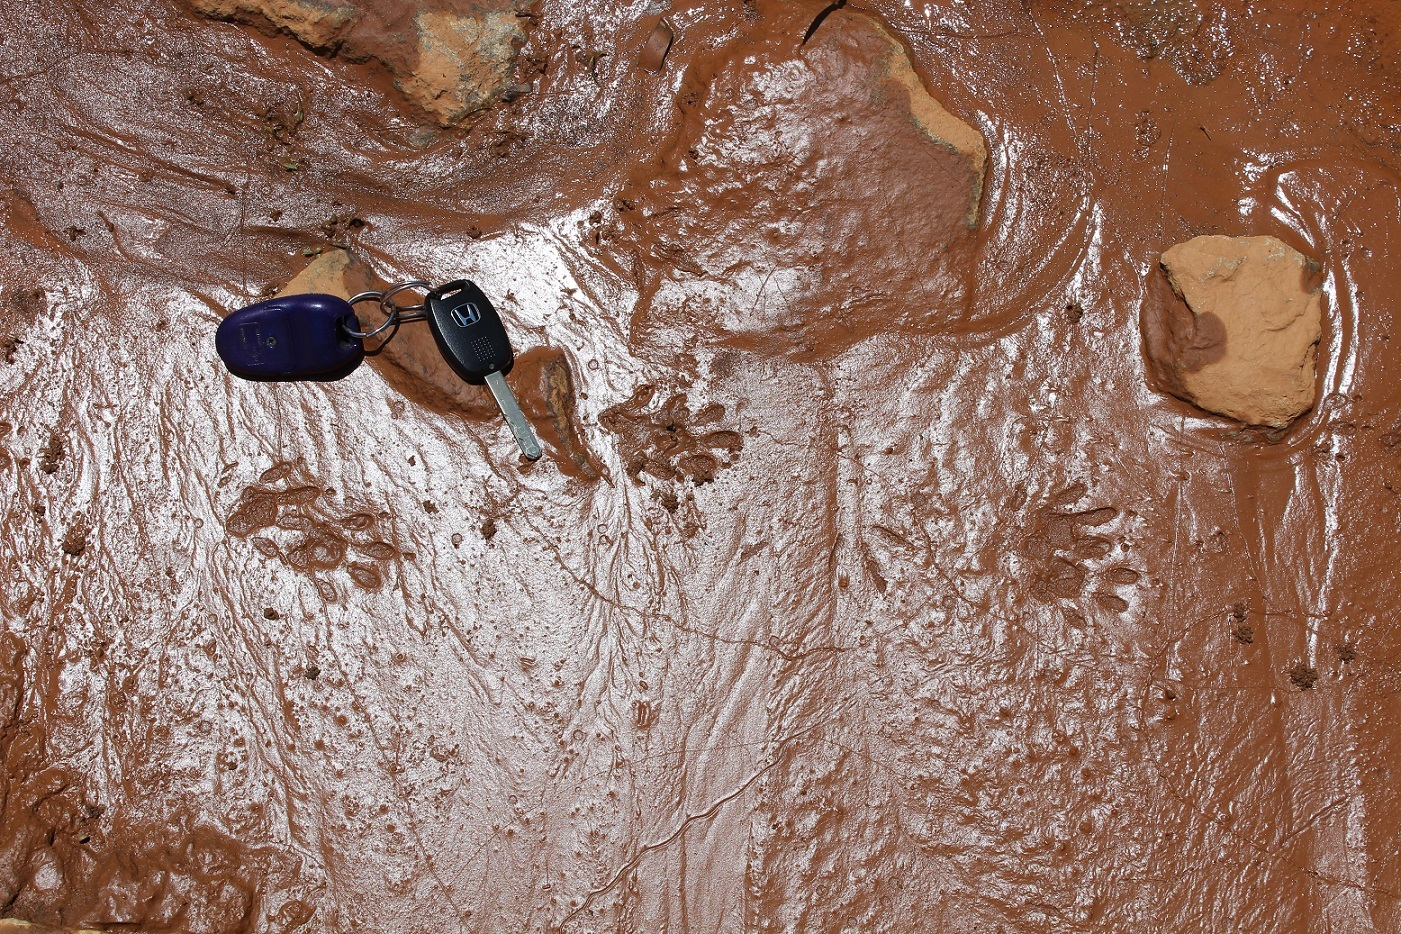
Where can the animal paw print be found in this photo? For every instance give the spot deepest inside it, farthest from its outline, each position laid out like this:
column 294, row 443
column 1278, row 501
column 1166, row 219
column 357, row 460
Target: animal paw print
column 285, row 515
column 1060, row 546
column 52, row 819
column 672, row 442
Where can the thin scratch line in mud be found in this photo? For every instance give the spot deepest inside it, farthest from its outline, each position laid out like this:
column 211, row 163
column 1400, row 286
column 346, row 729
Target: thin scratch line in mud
column 949, row 33
column 1160, row 771
column 636, row 859
column 598, row 772
column 1094, row 86
column 108, row 140
column 1167, row 167
column 942, row 30
column 771, row 645
column 31, row 75
column 1314, row 818
column 242, row 229
column 47, row 70
column 1060, row 84
column 1263, row 848
column 1255, row 567
column 614, row 602
column 400, row 792
column 762, row 288
column 1176, row 523
column 644, row 615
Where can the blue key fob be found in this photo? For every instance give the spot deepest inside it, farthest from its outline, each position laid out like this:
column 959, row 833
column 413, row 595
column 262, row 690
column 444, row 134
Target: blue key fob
column 292, row 338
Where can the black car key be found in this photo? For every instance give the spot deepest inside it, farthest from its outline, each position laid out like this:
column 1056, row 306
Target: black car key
column 473, row 340
column 292, row 338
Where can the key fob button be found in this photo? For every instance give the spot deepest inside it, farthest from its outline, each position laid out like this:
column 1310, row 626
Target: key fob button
column 292, row 338
column 469, row 332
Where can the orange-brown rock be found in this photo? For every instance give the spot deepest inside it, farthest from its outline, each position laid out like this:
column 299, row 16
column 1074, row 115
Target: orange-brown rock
column 776, row 138
column 653, row 57
column 895, row 70
column 1239, row 333
column 413, row 365
column 335, row 272
column 452, row 59
column 318, row 23
column 464, row 60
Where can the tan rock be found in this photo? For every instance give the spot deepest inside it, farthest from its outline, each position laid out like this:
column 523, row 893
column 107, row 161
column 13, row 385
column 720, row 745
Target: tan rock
column 335, row 272
column 14, row 926
column 1239, row 334
column 318, row 23
column 933, row 120
column 451, row 62
column 464, row 61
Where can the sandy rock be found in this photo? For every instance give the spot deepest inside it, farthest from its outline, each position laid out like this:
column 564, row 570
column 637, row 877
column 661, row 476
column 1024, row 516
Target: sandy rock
column 452, row 60
column 464, row 61
column 810, row 195
column 318, row 23
column 1238, row 335
column 13, row 926
column 942, row 127
column 335, row 272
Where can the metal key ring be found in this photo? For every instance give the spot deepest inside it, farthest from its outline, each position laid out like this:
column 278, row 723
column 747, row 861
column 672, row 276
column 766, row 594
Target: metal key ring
column 391, row 307
column 365, row 297
column 394, row 313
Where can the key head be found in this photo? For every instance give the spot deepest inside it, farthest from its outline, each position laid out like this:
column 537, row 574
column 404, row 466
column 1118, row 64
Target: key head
column 292, row 338
column 469, row 332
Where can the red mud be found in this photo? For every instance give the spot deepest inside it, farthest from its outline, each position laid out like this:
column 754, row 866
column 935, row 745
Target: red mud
column 867, row 583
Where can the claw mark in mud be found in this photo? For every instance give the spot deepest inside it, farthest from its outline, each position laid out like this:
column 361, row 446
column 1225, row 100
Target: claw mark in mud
column 1058, row 548
column 75, row 540
column 293, row 524
column 1303, row 676
column 19, row 309
column 672, row 442
column 51, row 456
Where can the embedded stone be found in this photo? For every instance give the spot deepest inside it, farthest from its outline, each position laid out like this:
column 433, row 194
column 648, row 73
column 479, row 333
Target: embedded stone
column 453, row 60
column 464, row 60
column 318, row 23
column 810, row 193
column 941, row 127
column 1239, row 334
column 334, row 272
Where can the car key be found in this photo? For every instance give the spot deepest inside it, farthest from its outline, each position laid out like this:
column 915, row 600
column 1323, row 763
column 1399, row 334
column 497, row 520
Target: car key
column 292, row 338
column 473, row 340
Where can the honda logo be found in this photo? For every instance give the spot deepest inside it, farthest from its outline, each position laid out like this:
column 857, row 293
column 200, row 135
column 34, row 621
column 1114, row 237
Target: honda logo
column 466, row 315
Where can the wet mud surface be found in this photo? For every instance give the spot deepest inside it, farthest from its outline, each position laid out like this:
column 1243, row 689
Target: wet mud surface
column 868, row 582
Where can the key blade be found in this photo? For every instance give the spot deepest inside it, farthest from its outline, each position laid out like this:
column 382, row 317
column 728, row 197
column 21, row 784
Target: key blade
column 506, row 401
